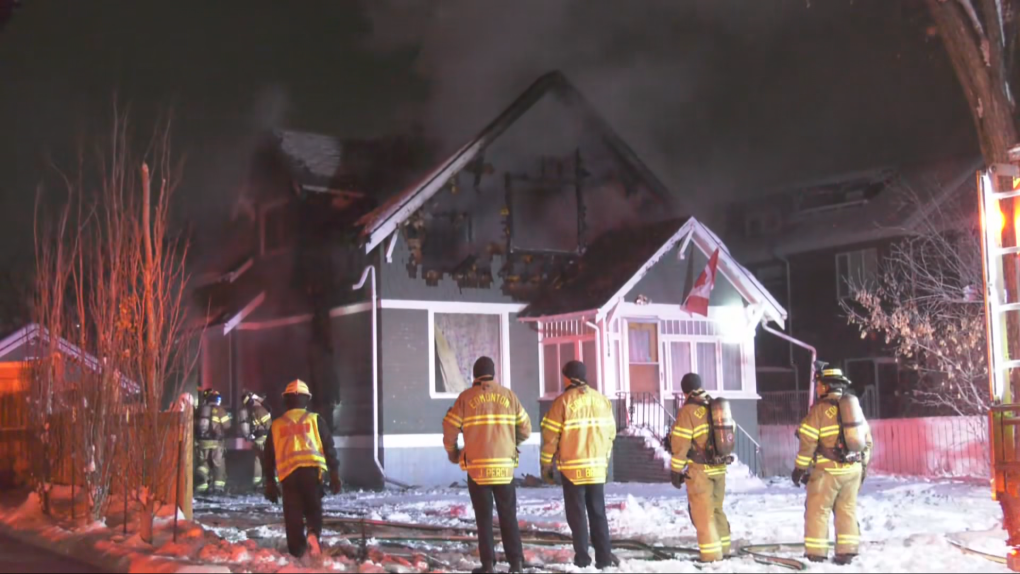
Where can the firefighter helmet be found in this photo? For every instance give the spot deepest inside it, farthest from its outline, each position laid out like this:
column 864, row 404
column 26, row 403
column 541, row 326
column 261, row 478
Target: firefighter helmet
column 212, row 397
column 297, row 387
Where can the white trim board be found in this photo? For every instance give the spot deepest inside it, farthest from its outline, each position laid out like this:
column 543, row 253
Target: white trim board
column 451, row 306
column 430, row 440
column 351, row 309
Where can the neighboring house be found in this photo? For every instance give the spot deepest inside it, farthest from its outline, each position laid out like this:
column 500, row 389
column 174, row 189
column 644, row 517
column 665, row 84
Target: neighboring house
column 806, row 242
column 542, row 240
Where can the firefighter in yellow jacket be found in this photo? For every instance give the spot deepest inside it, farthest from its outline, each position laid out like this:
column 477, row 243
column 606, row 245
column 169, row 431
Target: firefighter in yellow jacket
column 494, row 424
column 300, row 451
column 833, row 484
column 213, row 422
column 578, row 434
column 255, row 422
column 706, row 482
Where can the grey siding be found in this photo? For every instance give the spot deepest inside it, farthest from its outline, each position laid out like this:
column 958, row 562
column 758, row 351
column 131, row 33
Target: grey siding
column 404, row 372
column 352, row 341
column 524, row 368
column 406, row 405
column 430, row 467
column 395, row 282
column 669, row 280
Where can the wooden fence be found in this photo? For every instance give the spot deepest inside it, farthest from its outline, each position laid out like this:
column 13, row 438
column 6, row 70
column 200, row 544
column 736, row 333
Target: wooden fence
column 17, row 441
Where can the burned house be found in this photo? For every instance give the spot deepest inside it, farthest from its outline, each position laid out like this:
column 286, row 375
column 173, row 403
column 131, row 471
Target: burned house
column 542, row 240
column 809, row 241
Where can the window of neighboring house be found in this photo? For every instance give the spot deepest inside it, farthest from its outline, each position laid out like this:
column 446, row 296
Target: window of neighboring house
column 459, row 340
column 278, row 225
column 855, row 268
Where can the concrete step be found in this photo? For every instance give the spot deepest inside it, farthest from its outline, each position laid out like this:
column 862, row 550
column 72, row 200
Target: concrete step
column 634, row 461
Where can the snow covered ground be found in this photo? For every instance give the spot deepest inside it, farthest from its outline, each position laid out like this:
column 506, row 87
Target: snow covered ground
column 904, row 525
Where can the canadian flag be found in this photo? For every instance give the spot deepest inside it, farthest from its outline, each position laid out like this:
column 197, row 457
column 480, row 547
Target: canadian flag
column 697, row 299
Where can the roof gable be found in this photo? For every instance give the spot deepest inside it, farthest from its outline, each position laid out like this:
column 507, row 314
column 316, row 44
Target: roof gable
column 384, row 220
column 618, row 260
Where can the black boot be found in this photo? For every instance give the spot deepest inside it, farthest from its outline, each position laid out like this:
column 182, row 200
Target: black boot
column 484, row 569
column 816, row 559
column 613, row 562
column 516, row 566
column 844, row 559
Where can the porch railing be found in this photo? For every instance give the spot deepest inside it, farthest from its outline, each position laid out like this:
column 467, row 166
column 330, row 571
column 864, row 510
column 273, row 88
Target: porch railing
column 649, row 411
column 644, row 411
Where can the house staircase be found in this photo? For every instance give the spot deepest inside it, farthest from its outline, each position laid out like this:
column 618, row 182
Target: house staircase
column 643, row 423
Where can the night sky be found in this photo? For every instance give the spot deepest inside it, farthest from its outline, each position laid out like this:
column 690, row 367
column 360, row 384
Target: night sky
column 721, row 97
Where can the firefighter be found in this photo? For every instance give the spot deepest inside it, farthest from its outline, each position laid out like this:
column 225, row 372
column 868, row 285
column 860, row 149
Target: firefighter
column 213, row 422
column 296, row 452
column 694, row 463
column 835, row 439
column 255, row 421
column 494, row 425
column 578, row 433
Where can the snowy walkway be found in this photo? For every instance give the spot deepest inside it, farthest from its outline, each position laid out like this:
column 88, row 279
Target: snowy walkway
column 903, row 522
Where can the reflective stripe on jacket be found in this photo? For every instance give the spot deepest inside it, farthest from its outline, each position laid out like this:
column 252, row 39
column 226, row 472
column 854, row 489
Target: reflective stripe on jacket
column 296, row 442
column 691, row 432
column 493, row 423
column 578, row 432
column 820, row 429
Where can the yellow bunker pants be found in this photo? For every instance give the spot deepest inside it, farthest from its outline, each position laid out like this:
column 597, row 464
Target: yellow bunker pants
column 832, row 490
column 706, row 489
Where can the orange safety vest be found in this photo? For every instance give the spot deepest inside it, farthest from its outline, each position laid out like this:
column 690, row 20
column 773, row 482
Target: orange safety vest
column 296, row 442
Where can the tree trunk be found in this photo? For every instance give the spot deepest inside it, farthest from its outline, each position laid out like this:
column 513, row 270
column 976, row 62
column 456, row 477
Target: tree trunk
column 984, row 85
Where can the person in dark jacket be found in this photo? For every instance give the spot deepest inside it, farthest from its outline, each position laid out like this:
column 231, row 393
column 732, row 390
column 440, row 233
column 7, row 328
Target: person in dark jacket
column 298, row 454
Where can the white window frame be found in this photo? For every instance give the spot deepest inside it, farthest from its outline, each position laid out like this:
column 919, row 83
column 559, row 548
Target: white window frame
column 842, row 284
column 578, row 343
column 467, row 309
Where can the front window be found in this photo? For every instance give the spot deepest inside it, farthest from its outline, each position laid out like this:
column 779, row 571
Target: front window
column 459, row 340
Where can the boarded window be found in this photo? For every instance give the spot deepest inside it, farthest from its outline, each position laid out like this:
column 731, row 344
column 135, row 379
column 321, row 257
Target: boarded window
column 460, row 339
column 706, row 366
column 732, row 366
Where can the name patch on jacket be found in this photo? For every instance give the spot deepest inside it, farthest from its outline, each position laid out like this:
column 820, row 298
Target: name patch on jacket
column 489, row 398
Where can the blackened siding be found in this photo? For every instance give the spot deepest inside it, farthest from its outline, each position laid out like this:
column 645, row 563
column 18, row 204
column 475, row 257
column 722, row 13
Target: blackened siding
column 395, row 282
column 217, row 363
column 670, row 279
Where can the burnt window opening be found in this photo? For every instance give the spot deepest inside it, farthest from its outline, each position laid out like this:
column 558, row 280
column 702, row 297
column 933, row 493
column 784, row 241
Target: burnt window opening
column 445, row 236
column 546, row 210
column 855, row 269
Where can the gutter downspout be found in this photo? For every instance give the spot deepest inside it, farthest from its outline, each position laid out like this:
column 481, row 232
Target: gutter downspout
column 814, row 356
column 375, row 374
